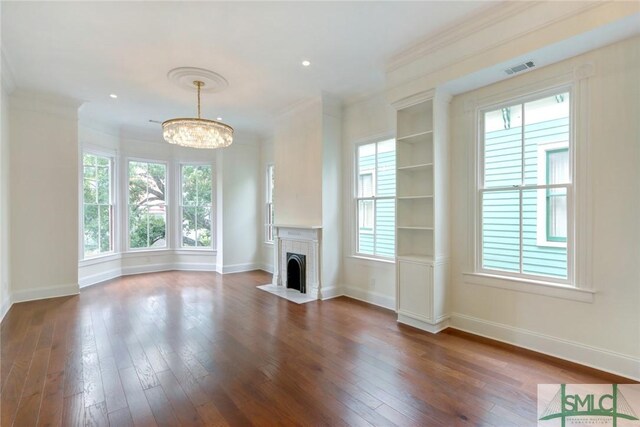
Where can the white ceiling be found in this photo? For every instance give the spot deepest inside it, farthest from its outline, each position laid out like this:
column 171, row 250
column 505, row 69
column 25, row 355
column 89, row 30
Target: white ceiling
column 87, row 50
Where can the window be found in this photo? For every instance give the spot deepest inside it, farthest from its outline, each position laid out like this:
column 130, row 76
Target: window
column 147, row 205
column 269, row 215
column 196, row 206
column 526, row 189
column 375, row 198
column 97, row 205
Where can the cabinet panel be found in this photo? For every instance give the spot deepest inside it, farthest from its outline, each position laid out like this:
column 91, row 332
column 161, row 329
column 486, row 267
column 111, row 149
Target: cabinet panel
column 415, row 289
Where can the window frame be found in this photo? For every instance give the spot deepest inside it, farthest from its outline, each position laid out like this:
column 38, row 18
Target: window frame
column 112, row 202
column 356, row 200
column 507, row 101
column 180, row 245
column 268, row 204
column 167, row 198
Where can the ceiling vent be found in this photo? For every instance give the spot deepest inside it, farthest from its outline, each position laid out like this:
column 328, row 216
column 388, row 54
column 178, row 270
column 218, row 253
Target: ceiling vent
column 520, row 67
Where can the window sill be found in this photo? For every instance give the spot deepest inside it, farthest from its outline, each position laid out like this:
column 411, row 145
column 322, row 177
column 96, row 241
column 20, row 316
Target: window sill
column 530, row 286
column 193, row 251
column 99, row 259
column 366, row 258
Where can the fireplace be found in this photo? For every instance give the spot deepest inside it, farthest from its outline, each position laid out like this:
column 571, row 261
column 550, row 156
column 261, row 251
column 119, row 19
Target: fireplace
column 297, row 259
column 297, row 272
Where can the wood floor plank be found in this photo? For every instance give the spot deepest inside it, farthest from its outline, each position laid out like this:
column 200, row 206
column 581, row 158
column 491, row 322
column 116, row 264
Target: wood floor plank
column 199, row 348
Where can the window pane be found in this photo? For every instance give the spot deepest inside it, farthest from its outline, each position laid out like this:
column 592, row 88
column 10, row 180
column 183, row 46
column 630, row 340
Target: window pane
column 103, row 185
column 501, row 230
column 89, row 160
column 542, row 259
column 386, row 171
column 90, row 189
column 366, row 167
column 503, row 147
column 91, row 230
column 189, row 226
column 365, row 215
column 385, row 227
column 157, row 227
column 365, row 185
column 147, row 209
column 138, row 226
column 204, row 185
column 203, row 223
column 558, row 166
column 546, row 130
column 557, row 215
column 105, row 228
column 189, row 187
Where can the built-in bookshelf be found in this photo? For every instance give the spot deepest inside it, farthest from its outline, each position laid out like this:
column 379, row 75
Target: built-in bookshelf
column 421, row 235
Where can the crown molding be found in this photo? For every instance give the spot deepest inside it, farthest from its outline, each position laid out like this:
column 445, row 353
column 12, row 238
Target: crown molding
column 486, row 18
column 47, row 103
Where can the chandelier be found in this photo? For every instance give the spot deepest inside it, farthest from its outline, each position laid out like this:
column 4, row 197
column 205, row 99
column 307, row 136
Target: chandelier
column 197, row 132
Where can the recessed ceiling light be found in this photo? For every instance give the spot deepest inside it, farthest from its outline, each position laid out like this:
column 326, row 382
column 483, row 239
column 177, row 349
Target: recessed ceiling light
column 113, row 95
column 306, row 63
column 219, row 118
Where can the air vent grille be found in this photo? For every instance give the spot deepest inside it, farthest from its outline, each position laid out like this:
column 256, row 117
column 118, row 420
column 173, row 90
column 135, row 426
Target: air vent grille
column 520, row 67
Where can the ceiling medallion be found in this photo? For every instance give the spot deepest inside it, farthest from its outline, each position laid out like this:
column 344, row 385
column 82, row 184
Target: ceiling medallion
column 197, row 132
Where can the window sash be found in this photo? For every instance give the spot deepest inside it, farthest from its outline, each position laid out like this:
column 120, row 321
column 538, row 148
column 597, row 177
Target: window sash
column 146, row 205
column 521, row 188
column 198, row 205
column 372, row 196
column 109, row 204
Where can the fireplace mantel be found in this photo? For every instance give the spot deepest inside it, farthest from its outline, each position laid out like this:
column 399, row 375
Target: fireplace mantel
column 299, row 239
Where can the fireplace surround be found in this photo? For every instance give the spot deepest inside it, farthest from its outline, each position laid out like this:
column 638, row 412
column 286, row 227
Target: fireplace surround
column 300, row 245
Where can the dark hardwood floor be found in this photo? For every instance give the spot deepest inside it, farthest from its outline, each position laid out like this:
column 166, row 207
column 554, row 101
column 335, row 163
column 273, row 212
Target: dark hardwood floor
column 182, row 348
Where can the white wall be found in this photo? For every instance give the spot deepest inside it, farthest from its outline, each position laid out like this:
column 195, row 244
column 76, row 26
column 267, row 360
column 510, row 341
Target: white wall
column 367, row 120
column 5, row 295
column 241, row 192
column 606, row 332
column 44, row 196
column 298, row 158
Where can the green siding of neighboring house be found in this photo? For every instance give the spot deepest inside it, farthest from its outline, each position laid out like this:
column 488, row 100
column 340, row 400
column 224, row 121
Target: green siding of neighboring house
column 500, row 230
column 385, row 209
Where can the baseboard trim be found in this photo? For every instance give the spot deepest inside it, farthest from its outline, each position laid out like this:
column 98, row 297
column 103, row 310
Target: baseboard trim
column 6, row 306
column 240, row 268
column 43, row 293
column 331, row 292
column 598, row 358
column 94, row 279
column 421, row 324
column 266, row 267
column 370, row 297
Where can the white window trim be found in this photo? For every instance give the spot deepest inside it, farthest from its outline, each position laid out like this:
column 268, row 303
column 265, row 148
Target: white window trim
column 112, row 156
column 354, row 201
column 167, row 199
column 577, row 80
column 268, row 201
column 541, row 215
column 179, row 244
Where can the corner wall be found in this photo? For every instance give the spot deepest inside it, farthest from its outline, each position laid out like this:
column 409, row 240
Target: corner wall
column 5, row 291
column 367, row 120
column 604, row 333
column 44, row 196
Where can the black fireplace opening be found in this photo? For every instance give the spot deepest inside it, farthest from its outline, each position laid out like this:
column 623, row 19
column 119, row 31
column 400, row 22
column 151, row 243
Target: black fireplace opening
column 297, row 272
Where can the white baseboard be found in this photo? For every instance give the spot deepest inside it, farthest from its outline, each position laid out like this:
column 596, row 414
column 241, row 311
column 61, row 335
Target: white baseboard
column 598, row 358
column 266, row 267
column 4, row 309
column 42, row 293
column 195, row 266
column 331, row 292
column 146, row 268
column 370, row 297
column 422, row 324
column 99, row 277
column 239, row 268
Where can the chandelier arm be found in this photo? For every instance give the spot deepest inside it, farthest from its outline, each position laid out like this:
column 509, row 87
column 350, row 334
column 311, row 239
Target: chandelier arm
column 199, row 85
